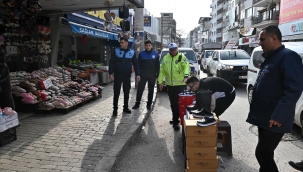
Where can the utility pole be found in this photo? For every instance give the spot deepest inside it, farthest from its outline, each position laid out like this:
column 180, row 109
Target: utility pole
column 138, row 34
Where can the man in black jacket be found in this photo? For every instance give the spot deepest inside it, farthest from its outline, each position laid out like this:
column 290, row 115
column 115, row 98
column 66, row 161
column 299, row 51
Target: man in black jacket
column 149, row 70
column 120, row 69
column 223, row 92
column 277, row 89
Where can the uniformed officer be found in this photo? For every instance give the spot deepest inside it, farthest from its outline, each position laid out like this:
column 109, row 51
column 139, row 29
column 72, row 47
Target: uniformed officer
column 149, row 70
column 120, row 69
column 175, row 69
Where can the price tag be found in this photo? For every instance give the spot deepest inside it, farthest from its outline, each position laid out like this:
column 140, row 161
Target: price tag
column 47, row 83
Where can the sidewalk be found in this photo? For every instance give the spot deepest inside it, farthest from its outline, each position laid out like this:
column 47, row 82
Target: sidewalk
column 86, row 139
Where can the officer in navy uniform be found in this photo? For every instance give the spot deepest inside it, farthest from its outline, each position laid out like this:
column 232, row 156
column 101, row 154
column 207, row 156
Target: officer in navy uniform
column 120, row 69
column 149, row 70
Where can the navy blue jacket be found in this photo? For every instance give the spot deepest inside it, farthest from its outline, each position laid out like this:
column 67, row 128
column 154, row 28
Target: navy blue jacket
column 149, row 64
column 277, row 90
column 122, row 61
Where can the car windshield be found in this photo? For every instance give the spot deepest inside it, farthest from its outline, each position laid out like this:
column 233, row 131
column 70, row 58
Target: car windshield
column 208, row 53
column 189, row 54
column 233, row 55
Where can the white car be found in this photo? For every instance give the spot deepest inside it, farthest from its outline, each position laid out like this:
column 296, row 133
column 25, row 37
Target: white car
column 253, row 69
column 205, row 60
column 230, row 65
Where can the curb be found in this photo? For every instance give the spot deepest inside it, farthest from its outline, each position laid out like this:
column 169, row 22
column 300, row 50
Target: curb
column 124, row 143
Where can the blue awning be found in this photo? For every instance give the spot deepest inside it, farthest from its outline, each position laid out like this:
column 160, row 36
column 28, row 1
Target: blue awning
column 86, row 30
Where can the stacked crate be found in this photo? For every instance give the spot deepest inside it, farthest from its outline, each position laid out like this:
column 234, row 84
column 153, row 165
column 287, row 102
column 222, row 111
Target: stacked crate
column 201, row 146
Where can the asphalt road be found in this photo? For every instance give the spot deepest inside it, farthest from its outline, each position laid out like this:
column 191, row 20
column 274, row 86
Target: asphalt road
column 158, row 147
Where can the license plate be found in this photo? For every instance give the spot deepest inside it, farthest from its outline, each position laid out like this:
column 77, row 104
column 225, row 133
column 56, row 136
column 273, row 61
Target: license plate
column 242, row 77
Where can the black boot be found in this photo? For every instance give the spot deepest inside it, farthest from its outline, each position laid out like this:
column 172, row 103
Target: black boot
column 206, row 101
column 197, row 105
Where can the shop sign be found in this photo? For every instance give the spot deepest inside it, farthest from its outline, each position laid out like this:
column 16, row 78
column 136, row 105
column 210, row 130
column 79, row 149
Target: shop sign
column 292, row 28
column 90, row 31
column 248, row 31
column 291, row 10
column 147, row 21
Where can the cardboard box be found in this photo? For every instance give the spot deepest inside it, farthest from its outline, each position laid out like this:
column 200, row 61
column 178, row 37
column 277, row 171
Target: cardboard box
column 201, row 141
column 191, row 129
column 203, row 163
column 199, row 170
column 201, row 152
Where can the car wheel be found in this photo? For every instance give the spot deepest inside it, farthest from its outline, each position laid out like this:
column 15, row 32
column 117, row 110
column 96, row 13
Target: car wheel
column 249, row 95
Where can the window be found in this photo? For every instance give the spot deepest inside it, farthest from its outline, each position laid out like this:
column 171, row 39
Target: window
column 248, row 12
column 233, row 55
column 258, row 59
column 242, row 15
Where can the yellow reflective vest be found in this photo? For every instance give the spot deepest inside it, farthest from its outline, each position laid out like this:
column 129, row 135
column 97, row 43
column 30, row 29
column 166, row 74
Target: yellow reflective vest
column 174, row 69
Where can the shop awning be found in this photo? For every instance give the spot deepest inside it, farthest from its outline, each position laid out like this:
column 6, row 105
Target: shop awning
column 86, row 30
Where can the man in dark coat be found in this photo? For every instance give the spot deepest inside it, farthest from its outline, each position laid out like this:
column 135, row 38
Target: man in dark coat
column 149, row 71
column 120, row 69
column 278, row 87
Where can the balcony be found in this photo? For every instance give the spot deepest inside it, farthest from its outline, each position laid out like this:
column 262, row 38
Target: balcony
column 220, row 16
column 264, row 3
column 225, row 6
column 219, row 35
column 220, row 25
column 220, row 7
column 266, row 18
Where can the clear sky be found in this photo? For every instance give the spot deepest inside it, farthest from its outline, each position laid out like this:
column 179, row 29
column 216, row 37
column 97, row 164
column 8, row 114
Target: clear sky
column 186, row 12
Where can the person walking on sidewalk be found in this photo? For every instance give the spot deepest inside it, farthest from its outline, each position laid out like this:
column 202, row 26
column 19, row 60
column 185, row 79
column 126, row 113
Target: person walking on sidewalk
column 223, row 92
column 175, row 69
column 120, row 69
column 149, row 70
column 277, row 89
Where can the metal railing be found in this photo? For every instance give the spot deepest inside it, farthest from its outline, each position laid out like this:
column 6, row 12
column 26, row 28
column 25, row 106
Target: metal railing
column 265, row 16
column 256, row 1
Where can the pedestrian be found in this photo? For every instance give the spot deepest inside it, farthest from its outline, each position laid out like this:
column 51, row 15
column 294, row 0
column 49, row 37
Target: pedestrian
column 6, row 98
column 175, row 69
column 278, row 87
column 223, row 92
column 149, row 71
column 296, row 165
column 120, row 70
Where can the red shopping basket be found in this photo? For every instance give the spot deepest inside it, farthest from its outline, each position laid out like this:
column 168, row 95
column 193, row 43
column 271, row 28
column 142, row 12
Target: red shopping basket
column 184, row 101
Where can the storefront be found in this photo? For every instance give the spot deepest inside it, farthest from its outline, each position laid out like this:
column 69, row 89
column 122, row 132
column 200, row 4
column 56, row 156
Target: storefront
column 291, row 20
column 248, row 43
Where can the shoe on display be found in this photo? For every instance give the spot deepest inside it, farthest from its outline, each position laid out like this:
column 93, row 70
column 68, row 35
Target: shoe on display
column 206, row 121
column 296, row 165
column 176, row 127
column 136, row 106
column 126, row 110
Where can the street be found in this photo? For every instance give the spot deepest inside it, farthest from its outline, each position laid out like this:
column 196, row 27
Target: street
column 158, row 147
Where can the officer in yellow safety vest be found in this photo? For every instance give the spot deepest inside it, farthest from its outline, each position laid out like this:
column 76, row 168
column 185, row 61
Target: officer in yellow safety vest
column 175, row 68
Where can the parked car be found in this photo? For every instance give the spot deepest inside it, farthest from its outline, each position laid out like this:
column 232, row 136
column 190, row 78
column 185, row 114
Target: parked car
column 253, row 69
column 205, row 59
column 191, row 57
column 230, row 65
